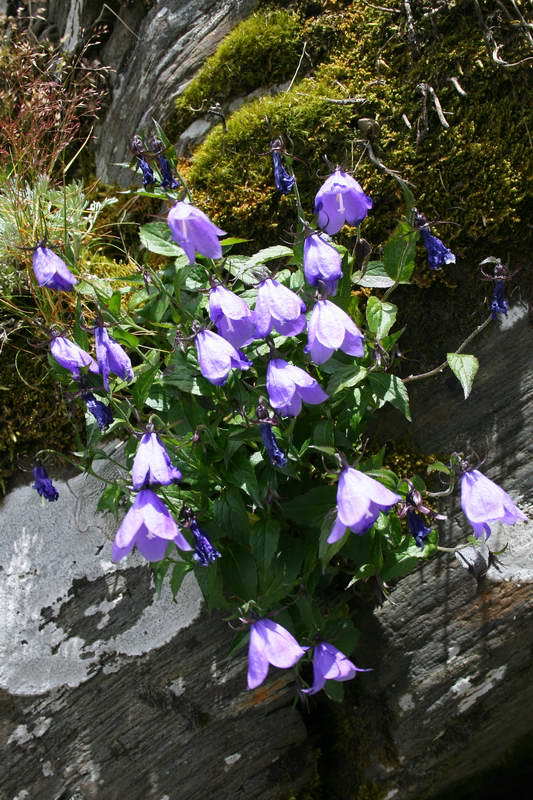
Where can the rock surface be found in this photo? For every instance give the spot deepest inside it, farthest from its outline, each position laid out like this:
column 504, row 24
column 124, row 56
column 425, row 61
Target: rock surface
column 108, row 691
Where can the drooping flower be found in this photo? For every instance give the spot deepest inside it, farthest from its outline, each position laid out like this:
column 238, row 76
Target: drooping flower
column 498, row 304
column 51, row 271
column 216, row 357
column 194, row 231
column 322, row 264
column 330, row 329
column 270, row 643
column 438, row 253
column 204, row 550
column 232, row 316
column 276, row 455
column 147, row 171
column 288, row 386
column 278, row 308
column 99, row 410
column 340, row 199
column 71, row 356
column 282, row 180
column 148, row 526
column 152, row 465
column 329, row 664
column 417, row 527
column 359, row 500
column 44, row 485
column 111, row 357
column 484, row 502
column 169, row 181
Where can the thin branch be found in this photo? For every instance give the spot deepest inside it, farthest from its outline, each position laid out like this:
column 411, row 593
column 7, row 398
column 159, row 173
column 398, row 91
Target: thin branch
column 442, row 367
column 457, row 86
column 411, row 33
column 298, row 67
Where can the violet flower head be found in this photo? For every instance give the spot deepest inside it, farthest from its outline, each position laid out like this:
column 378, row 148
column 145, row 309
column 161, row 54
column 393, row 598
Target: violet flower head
column 283, row 181
column 194, row 231
column 322, row 264
column 43, row 484
column 340, row 199
column 169, row 181
column 498, row 304
column 270, row 643
column 278, row 308
column 417, row 527
column 205, row 552
column 359, row 501
column 288, row 386
column 329, row 664
column 71, row 356
column 51, row 271
column 275, row 453
column 99, row 410
column 111, row 357
column 151, row 465
column 232, row 316
column 149, row 527
column 330, row 329
column 147, row 171
column 438, row 254
column 216, row 357
column 484, row 502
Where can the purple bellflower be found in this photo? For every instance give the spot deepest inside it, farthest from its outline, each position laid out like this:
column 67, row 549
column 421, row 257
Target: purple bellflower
column 329, row 664
column 147, row 171
column 288, row 385
column 205, row 552
column 283, row 181
column 216, row 357
column 51, row 271
column 322, row 264
column 330, row 329
column 484, row 502
column 70, row 356
column 359, row 500
column 99, row 410
column 438, row 253
column 498, row 304
column 232, row 316
column 270, row 643
column 278, row 308
column 194, row 231
column 340, row 199
column 417, row 527
column 151, row 465
column 169, row 181
column 148, row 526
column 44, row 484
column 111, row 357
column 275, row 453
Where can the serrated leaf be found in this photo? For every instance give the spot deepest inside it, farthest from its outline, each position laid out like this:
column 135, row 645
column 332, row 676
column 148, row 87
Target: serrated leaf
column 374, row 276
column 143, row 383
column 389, row 389
column 179, row 572
column 380, row 316
column 183, row 375
column 327, row 551
column 308, row 509
column 345, row 378
column 399, row 253
column 270, row 254
column 264, row 541
column 464, row 367
column 438, row 466
column 156, row 237
column 249, row 274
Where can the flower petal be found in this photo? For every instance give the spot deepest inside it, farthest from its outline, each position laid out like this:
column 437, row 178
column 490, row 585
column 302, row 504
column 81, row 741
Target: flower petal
column 277, row 644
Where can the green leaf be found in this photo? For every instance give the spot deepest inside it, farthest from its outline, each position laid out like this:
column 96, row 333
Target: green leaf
column 143, row 383
column 308, row 509
column 230, row 514
column 375, row 276
column 327, row 551
column 243, row 476
column 110, row 498
column 399, row 253
column 182, row 374
column 178, row 574
column 270, row 254
column 239, row 570
column 264, row 542
column 380, row 316
column 438, row 466
column 345, row 378
column 335, row 691
column 156, row 237
column 389, row 389
column 160, row 569
column 464, row 368
column 249, row 274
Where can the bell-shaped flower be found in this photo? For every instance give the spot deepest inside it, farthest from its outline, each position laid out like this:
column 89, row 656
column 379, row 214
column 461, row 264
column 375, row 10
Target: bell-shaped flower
column 359, row 501
column 51, row 271
column 340, row 199
column 151, row 465
column 99, row 410
column 149, row 527
column 330, row 329
column 322, row 264
column 111, row 357
column 417, row 527
column 71, row 356
column 275, row 453
column 270, row 643
column 194, row 231
column 288, row 386
column 278, row 308
column 232, row 316
column 498, row 303
column 283, row 181
column 205, row 552
column 43, row 484
column 438, row 254
column 484, row 502
column 216, row 357
column 329, row 664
